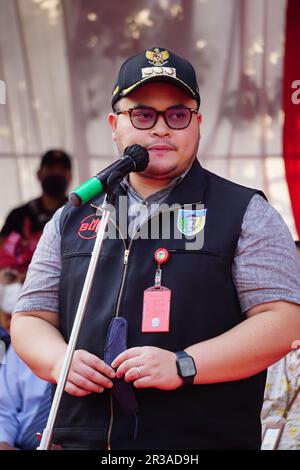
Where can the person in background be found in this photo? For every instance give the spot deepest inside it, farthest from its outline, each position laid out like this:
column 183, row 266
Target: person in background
column 4, row 341
column 25, row 402
column 24, row 398
column 10, row 288
column 24, row 225
column 281, row 408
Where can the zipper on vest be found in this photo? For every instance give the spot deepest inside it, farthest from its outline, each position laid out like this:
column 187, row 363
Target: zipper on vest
column 126, row 254
column 110, row 422
column 125, row 260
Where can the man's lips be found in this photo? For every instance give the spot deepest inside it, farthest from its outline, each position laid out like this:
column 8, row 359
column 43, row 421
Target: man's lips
column 161, row 147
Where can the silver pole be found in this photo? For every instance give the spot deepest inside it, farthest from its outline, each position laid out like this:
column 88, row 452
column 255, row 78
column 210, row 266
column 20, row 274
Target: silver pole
column 81, row 310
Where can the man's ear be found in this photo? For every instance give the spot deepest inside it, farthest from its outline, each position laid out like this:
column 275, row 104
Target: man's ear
column 112, row 121
column 199, row 118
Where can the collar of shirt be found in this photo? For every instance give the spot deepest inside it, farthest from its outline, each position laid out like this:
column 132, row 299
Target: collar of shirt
column 140, row 209
column 156, row 198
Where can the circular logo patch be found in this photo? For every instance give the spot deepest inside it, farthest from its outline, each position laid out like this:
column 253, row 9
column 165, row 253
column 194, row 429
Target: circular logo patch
column 89, row 227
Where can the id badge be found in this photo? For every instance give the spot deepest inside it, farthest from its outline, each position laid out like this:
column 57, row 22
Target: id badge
column 271, row 436
column 156, row 310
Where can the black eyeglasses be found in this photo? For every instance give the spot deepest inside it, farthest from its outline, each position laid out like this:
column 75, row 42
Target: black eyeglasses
column 176, row 117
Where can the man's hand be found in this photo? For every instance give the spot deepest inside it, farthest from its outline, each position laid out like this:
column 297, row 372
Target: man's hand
column 87, row 374
column 5, row 446
column 148, row 366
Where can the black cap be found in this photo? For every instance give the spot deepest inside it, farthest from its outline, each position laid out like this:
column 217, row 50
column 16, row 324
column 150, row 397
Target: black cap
column 155, row 65
column 56, row 157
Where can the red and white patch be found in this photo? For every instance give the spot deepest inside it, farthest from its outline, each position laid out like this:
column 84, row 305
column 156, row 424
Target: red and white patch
column 89, row 227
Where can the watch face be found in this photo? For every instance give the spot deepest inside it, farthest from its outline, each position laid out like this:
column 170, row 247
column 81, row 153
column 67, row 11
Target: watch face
column 187, row 367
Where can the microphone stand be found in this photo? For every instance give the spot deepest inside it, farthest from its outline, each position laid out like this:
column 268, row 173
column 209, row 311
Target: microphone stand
column 46, row 439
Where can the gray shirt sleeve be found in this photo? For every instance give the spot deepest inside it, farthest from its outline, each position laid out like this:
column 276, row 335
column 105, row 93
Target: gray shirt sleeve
column 40, row 290
column 266, row 265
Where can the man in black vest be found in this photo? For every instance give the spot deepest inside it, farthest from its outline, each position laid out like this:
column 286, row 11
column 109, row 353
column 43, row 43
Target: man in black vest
column 196, row 355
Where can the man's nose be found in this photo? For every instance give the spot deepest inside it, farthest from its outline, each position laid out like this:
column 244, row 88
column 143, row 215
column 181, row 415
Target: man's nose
column 161, row 129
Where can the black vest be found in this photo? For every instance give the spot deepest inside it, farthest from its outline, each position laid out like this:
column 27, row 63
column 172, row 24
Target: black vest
column 204, row 305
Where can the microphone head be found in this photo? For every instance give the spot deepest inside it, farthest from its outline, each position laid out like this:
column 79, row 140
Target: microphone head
column 74, row 199
column 140, row 156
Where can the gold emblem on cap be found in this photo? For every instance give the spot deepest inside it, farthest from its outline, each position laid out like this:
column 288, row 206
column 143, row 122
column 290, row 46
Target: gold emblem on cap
column 157, row 57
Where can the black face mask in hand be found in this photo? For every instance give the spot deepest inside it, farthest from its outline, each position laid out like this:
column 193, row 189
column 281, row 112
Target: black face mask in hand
column 55, row 185
column 116, row 343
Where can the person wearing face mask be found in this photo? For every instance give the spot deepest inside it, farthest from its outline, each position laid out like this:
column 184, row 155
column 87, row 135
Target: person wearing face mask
column 24, row 398
column 24, row 225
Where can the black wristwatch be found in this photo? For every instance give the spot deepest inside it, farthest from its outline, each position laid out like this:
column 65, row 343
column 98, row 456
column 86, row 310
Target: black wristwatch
column 185, row 367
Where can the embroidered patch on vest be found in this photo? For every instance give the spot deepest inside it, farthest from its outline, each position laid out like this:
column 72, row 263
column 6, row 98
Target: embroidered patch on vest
column 89, row 227
column 190, row 222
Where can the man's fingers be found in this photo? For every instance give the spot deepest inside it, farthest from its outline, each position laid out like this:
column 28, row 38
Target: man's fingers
column 92, row 375
column 88, row 374
column 126, row 366
column 136, row 373
column 128, row 354
column 144, row 382
column 85, row 384
column 72, row 389
column 95, row 363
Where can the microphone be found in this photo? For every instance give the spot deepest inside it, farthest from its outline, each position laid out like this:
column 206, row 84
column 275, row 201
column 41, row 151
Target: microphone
column 135, row 159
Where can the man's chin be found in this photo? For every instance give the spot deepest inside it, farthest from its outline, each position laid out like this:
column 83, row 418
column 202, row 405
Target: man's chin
column 160, row 173
column 161, row 165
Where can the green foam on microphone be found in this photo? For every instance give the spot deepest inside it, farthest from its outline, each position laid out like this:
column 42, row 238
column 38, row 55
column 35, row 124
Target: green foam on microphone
column 88, row 189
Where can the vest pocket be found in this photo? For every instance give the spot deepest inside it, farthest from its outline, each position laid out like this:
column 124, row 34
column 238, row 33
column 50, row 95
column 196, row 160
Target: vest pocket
column 73, row 255
column 195, row 252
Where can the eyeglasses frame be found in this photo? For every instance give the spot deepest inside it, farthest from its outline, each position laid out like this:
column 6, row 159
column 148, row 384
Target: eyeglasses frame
column 158, row 113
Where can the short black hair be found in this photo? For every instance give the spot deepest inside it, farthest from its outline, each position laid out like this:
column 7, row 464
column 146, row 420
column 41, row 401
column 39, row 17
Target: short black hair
column 116, row 107
column 56, row 157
